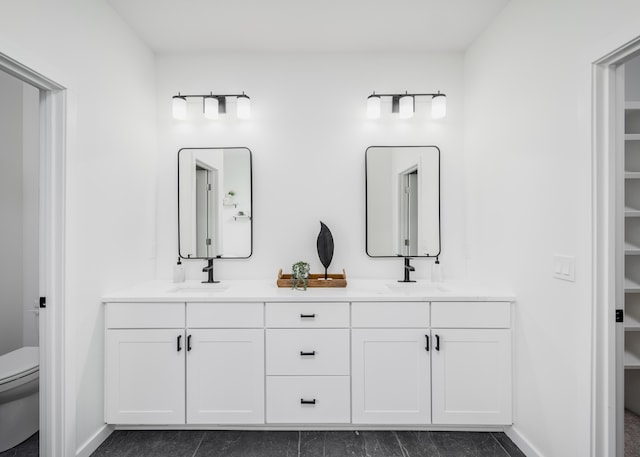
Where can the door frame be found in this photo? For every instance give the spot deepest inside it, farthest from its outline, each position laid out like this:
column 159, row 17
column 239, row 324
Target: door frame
column 607, row 377
column 404, row 209
column 57, row 430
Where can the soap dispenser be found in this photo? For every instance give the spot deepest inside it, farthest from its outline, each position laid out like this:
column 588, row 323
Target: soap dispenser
column 436, row 271
column 178, row 272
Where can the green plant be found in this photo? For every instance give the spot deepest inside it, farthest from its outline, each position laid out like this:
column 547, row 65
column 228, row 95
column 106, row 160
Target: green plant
column 300, row 275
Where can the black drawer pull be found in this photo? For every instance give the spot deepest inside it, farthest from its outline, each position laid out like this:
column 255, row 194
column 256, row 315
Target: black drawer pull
column 308, row 316
column 307, row 402
column 427, row 345
column 307, row 353
column 189, row 343
column 178, row 343
column 437, row 342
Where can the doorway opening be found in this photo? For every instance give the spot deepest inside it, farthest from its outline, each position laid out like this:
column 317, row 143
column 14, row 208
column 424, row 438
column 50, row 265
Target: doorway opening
column 207, row 211
column 408, row 217
column 616, row 225
column 46, row 212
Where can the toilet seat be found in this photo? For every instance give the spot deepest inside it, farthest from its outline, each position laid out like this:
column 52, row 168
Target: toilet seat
column 19, row 363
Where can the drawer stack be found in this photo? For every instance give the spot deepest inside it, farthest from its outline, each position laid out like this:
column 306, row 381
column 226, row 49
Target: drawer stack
column 307, row 363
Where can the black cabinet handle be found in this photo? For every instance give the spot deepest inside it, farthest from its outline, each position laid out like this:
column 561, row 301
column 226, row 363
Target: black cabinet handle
column 178, row 342
column 189, row 343
column 308, row 316
column 437, row 342
column 308, row 353
column 307, row 402
column 426, row 337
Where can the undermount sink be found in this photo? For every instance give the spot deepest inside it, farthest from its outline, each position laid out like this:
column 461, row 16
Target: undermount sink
column 199, row 288
column 416, row 287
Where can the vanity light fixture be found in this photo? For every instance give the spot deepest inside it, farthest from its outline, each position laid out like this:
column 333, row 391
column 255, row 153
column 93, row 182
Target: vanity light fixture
column 438, row 106
column 212, row 105
column 373, row 106
column 407, row 106
column 179, row 106
column 244, row 106
column 404, row 104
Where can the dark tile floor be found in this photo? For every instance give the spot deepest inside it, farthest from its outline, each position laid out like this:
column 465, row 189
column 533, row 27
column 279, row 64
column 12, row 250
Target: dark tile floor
column 193, row 443
column 28, row 448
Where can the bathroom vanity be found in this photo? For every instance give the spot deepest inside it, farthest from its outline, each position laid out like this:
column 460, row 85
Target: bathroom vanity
column 246, row 354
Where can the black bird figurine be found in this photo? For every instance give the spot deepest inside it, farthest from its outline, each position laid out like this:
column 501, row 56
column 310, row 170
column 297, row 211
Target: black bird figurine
column 325, row 247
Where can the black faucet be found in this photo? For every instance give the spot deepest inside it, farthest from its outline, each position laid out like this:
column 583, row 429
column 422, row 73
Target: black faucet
column 408, row 268
column 209, row 270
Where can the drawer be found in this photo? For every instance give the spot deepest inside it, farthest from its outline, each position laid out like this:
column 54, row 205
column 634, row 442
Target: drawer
column 307, row 315
column 225, row 315
column 308, row 400
column 145, row 315
column 471, row 314
column 307, row 352
column 390, row 314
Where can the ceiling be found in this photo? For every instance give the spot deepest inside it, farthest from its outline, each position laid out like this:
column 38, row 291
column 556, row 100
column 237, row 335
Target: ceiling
column 307, row 25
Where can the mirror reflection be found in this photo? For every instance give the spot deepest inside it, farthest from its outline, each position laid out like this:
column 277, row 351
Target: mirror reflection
column 403, row 201
column 214, row 203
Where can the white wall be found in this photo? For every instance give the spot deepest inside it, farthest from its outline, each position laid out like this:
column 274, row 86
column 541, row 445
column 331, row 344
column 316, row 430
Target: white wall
column 11, row 210
column 528, row 161
column 110, row 182
column 308, row 134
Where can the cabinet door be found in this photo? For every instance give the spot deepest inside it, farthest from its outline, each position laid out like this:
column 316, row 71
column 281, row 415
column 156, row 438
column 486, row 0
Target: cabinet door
column 145, row 376
column 471, row 376
column 390, row 376
column 225, row 376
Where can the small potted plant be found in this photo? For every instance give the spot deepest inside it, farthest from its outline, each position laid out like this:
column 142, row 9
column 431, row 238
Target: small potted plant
column 300, row 275
column 229, row 198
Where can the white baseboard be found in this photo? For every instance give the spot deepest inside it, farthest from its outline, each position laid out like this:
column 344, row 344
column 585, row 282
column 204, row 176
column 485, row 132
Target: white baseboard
column 523, row 443
column 96, row 440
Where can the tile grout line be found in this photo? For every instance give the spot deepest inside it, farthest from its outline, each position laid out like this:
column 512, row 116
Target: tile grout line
column 204, row 433
column 299, row 441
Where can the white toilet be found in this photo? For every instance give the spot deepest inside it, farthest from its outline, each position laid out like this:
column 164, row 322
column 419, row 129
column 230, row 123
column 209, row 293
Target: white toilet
column 19, row 400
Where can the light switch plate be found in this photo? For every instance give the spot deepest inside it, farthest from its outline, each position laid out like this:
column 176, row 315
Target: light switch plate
column 564, row 267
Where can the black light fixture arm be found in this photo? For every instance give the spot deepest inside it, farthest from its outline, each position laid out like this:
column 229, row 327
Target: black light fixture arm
column 210, row 94
column 407, row 94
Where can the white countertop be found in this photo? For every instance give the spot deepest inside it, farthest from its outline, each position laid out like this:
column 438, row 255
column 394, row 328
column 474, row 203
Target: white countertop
column 265, row 290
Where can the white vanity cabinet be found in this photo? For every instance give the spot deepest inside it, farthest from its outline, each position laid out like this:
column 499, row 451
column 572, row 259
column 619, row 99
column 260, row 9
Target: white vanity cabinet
column 307, row 363
column 177, row 363
column 447, row 363
column 145, row 357
column 390, row 363
column 327, row 359
column 471, row 363
column 225, row 363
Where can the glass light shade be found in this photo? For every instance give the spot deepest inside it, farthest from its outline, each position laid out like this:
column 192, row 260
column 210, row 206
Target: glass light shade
column 373, row 107
column 211, row 107
column 244, row 107
column 179, row 107
column 406, row 107
column 439, row 106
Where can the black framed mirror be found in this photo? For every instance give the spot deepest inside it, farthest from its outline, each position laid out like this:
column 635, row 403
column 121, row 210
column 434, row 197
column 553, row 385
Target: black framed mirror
column 215, row 203
column 402, row 201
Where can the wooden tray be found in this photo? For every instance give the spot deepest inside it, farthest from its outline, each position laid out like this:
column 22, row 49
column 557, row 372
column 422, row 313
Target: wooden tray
column 315, row 280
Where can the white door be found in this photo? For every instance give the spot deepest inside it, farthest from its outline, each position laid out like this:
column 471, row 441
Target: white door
column 225, row 373
column 145, row 376
column 390, row 376
column 471, row 376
